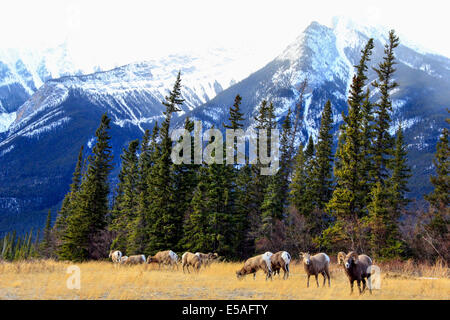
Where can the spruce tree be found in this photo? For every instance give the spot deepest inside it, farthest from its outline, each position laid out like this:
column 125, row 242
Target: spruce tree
column 185, row 181
column 400, row 174
column 66, row 208
column 88, row 219
column 235, row 115
column 126, row 200
column 139, row 237
column 437, row 227
column 164, row 219
column 322, row 175
column 383, row 142
column 347, row 204
column 47, row 241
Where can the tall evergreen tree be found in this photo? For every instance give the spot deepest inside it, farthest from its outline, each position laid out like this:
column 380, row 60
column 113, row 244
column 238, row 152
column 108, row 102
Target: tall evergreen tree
column 383, row 142
column 437, row 228
column 126, row 200
column 47, row 241
column 88, row 220
column 140, row 234
column 400, row 174
column 164, row 219
column 61, row 220
column 348, row 201
column 322, row 175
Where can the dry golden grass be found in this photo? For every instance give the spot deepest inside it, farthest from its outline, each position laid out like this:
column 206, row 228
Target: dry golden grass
column 103, row 280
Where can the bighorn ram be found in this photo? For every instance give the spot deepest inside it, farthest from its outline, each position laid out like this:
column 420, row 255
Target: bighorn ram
column 357, row 268
column 207, row 259
column 281, row 260
column 123, row 259
column 167, row 257
column 115, row 255
column 252, row 265
column 136, row 259
column 316, row 264
column 190, row 259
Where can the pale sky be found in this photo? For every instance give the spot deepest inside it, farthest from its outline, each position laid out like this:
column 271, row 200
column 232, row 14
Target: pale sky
column 131, row 30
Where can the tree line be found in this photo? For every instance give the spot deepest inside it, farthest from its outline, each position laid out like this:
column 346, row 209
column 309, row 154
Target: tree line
column 353, row 198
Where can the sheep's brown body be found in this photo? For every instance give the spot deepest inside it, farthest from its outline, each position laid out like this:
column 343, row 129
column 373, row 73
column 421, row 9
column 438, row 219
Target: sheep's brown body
column 190, row 259
column 167, row 257
column 136, row 259
column 357, row 269
column 123, row 259
column 207, row 258
column 280, row 260
column 315, row 265
column 252, row 265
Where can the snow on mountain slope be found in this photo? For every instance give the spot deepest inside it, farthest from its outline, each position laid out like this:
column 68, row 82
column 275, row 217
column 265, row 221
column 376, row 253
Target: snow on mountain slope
column 131, row 94
column 326, row 55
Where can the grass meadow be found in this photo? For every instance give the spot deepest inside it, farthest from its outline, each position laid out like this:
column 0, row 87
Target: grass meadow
column 47, row 279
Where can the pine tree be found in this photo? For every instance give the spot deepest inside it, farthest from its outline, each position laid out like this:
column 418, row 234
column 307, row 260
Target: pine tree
column 126, row 200
column 47, row 241
column 185, row 181
column 348, row 200
column 322, row 176
column 88, row 219
column 235, row 117
column 400, row 175
column 276, row 194
column 439, row 199
column 437, row 228
column 383, row 142
column 367, row 135
column 66, row 208
column 140, row 234
column 163, row 217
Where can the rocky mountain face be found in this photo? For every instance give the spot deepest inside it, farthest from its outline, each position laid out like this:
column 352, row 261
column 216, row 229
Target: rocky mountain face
column 326, row 56
column 44, row 119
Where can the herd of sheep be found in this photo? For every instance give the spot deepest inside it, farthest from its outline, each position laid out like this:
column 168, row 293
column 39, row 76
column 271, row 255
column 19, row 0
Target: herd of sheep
column 357, row 267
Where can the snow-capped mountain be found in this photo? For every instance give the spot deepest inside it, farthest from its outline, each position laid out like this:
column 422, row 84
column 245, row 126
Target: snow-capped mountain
column 42, row 136
column 67, row 110
column 325, row 55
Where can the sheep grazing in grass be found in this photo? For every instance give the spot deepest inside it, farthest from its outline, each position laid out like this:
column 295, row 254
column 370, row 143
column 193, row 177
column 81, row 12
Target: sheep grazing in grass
column 260, row 262
column 357, row 268
column 167, row 257
column 115, row 256
column 315, row 265
column 123, row 259
column 207, row 258
column 190, row 259
column 136, row 259
column 281, row 260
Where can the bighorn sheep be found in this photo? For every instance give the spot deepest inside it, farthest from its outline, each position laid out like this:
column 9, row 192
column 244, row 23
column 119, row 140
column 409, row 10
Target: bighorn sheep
column 123, row 259
column 316, row 264
column 357, row 268
column 207, row 259
column 115, row 255
column 167, row 257
column 190, row 259
column 340, row 258
column 281, row 260
column 260, row 262
column 136, row 259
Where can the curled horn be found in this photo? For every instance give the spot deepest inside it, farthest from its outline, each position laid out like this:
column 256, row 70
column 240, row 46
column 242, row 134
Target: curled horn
column 354, row 255
column 341, row 258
